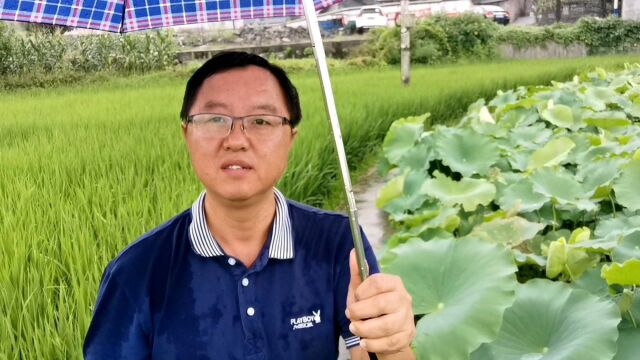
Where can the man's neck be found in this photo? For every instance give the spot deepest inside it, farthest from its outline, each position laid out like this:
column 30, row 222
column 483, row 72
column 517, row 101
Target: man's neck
column 241, row 228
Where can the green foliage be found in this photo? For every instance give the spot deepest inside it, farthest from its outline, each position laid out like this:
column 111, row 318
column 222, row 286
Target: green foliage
column 441, row 39
column 469, row 36
column 552, row 174
column 533, row 36
column 49, row 58
column 600, row 36
column 611, row 35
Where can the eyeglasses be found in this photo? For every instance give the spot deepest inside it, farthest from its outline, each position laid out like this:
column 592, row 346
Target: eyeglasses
column 259, row 126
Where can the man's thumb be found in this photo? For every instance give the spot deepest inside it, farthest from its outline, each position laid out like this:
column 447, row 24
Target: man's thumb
column 356, row 280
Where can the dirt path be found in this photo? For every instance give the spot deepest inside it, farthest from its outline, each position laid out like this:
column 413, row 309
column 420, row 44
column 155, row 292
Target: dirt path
column 373, row 221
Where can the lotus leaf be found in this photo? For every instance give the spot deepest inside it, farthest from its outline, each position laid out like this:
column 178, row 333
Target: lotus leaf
column 551, row 321
column 628, row 344
column 559, row 184
column 466, row 151
column 619, row 225
column 627, row 273
column 597, row 97
column 418, row 156
column 602, row 245
column 530, row 137
column 552, row 153
column 504, row 98
column 468, row 192
column 598, row 173
column 559, row 115
column 523, row 258
column 607, row 119
column 626, row 186
column 520, row 159
column 402, row 136
column 509, row 231
column 462, row 287
column 444, row 218
column 592, row 282
column 628, row 248
column 521, row 197
column 391, row 190
column 518, row 117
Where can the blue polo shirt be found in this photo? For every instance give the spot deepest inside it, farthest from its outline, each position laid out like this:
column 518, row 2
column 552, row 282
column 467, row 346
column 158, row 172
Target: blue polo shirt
column 175, row 294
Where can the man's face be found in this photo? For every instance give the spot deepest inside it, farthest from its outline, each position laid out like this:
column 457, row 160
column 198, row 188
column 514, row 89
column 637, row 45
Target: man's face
column 238, row 167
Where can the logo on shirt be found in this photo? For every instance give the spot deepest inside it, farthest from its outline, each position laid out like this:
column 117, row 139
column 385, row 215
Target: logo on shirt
column 306, row 321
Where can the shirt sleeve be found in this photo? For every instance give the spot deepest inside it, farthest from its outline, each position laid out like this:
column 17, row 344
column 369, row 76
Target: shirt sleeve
column 344, row 277
column 116, row 330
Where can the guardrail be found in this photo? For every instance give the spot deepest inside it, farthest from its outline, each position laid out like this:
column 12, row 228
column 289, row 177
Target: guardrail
column 336, row 48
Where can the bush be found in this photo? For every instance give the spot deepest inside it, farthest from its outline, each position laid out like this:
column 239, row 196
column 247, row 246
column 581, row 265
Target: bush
column 528, row 36
column 47, row 57
column 7, row 62
column 609, row 36
column 469, row 36
column 449, row 39
column 429, row 44
column 439, row 39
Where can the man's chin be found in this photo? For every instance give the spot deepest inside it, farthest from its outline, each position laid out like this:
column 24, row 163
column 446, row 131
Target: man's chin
column 241, row 196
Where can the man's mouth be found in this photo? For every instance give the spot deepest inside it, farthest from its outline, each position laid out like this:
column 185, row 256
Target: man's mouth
column 236, row 166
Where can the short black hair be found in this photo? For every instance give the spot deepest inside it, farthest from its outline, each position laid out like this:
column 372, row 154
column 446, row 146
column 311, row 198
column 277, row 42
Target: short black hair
column 227, row 60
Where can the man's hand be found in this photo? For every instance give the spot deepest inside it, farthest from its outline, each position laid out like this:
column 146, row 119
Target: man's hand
column 380, row 312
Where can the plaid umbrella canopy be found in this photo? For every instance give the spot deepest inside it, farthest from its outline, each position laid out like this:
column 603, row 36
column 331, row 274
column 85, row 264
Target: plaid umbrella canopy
column 134, row 15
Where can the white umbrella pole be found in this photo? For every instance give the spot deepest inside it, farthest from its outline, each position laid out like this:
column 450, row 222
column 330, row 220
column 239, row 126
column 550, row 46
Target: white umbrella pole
column 323, row 71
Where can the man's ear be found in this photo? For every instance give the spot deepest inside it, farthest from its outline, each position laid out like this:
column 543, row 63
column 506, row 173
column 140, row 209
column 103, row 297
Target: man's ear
column 183, row 125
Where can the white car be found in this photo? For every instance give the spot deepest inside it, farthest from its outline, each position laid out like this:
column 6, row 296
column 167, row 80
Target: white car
column 493, row 12
column 370, row 17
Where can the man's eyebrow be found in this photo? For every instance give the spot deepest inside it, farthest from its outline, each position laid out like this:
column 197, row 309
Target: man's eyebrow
column 266, row 107
column 214, row 105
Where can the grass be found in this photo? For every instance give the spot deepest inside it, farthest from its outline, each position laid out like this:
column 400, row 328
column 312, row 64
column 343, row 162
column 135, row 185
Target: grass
column 87, row 169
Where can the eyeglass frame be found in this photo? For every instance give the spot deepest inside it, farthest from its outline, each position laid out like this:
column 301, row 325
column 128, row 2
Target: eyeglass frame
column 285, row 121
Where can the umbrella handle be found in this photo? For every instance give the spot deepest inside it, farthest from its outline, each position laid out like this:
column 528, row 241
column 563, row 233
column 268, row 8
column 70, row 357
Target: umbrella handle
column 323, row 72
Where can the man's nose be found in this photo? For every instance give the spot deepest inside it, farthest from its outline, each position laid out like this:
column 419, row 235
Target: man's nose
column 237, row 137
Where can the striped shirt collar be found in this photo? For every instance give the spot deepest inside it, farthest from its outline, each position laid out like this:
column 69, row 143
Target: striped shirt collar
column 204, row 244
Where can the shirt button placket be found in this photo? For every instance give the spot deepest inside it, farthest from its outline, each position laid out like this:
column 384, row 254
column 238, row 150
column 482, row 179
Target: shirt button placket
column 253, row 334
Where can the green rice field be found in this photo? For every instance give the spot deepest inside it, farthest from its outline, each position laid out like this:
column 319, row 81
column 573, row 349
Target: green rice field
column 86, row 169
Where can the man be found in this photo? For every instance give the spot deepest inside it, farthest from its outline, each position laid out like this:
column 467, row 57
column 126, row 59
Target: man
column 246, row 273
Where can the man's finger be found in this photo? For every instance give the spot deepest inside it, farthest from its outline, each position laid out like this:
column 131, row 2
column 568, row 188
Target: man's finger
column 388, row 344
column 378, row 284
column 382, row 326
column 382, row 304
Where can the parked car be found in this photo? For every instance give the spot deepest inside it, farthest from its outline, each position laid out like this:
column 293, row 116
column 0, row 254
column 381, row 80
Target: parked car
column 370, row 17
column 493, row 12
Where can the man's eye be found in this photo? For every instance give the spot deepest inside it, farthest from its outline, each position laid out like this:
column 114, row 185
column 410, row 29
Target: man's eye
column 261, row 122
column 216, row 120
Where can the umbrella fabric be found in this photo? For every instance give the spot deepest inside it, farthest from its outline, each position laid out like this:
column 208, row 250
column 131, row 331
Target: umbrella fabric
column 134, row 15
